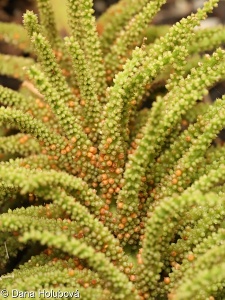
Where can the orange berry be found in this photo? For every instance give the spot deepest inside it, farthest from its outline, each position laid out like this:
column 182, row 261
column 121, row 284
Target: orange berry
column 71, row 272
column 124, row 220
column 191, row 257
column 120, row 236
column 102, row 211
column 73, row 140
column 178, row 172
column 87, row 130
column 104, row 176
column 109, row 163
column 118, row 171
column 133, row 216
column 174, row 181
column 167, row 280
column 120, row 205
column 127, row 235
column 188, row 138
column 111, row 190
column 78, row 154
column 45, row 119
column 121, row 155
column 109, row 140
column 93, row 150
column 71, row 104
column 173, row 253
column 132, row 278
column 111, row 180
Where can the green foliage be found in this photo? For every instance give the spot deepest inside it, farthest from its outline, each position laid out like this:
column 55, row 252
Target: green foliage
column 97, row 193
